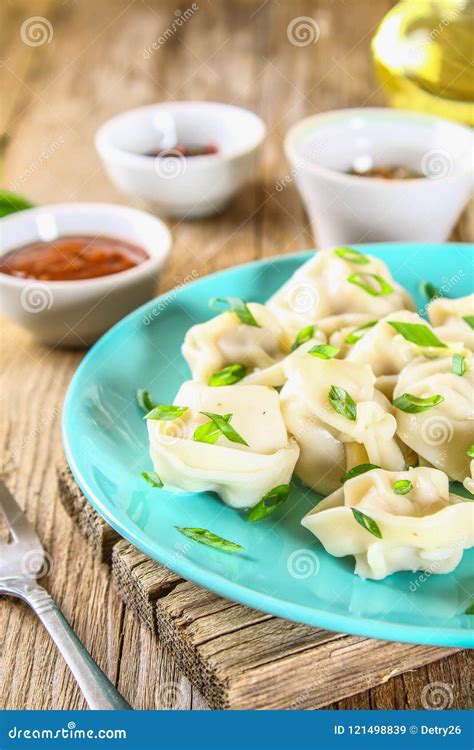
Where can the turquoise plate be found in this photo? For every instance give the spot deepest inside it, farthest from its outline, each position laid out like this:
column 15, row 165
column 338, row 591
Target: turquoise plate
column 283, row 569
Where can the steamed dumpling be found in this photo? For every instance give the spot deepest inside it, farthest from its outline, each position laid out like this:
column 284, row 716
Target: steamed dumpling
column 240, row 474
column 424, row 529
column 331, row 443
column 469, row 481
column 321, row 288
column 226, row 340
column 448, row 316
column 338, row 327
column 442, row 434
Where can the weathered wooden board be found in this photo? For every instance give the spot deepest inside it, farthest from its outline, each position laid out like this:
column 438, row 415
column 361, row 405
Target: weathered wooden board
column 235, row 655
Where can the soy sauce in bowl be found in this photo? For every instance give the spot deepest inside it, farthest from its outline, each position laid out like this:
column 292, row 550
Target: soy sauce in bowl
column 192, row 149
column 71, row 258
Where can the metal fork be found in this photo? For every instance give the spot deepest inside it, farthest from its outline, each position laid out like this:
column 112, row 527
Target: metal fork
column 21, row 561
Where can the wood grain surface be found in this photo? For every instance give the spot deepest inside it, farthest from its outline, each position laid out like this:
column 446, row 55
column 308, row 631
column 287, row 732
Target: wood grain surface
column 56, row 94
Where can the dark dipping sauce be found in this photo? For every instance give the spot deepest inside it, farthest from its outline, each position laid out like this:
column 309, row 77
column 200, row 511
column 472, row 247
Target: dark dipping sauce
column 387, row 173
column 193, row 149
column 72, row 258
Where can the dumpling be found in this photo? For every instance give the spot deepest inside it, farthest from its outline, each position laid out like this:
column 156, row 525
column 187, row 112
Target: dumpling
column 225, row 340
column 240, row 472
column 469, row 481
column 449, row 318
column 339, row 328
column 393, row 521
column 440, row 431
column 388, row 351
column 331, row 442
column 336, row 281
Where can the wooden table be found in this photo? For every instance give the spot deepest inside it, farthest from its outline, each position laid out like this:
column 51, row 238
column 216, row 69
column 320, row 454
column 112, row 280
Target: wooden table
column 93, row 66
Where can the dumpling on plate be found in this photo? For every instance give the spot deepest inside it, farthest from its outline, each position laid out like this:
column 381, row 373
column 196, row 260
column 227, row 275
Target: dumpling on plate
column 469, row 481
column 336, row 281
column 434, row 402
column 338, row 419
column 393, row 521
column 393, row 342
column 253, row 350
column 345, row 329
column 244, row 460
column 453, row 318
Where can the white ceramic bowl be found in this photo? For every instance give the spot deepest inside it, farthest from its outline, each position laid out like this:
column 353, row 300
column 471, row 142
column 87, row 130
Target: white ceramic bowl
column 345, row 208
column 175, row 185
column 76, row 313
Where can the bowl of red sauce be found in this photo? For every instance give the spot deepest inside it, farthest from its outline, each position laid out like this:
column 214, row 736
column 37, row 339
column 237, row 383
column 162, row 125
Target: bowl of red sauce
column 68, row 272
column 187, row 159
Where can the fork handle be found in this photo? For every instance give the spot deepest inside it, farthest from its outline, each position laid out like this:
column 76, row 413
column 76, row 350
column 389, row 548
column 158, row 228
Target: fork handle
column 93, row 683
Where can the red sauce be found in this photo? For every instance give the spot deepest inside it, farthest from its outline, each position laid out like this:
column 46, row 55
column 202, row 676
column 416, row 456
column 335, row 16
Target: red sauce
column 72, row 258
column 193, row 149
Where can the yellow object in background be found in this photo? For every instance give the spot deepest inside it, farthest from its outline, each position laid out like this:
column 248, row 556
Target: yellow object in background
column 423, row 52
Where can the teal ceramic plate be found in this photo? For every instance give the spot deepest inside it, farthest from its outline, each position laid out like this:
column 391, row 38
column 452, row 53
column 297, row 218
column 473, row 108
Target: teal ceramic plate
column 283, row 569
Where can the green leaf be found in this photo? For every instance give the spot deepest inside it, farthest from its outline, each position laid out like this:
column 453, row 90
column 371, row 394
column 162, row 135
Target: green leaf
column 342, row 402
column 352, row 255
column 324, row 351
column 458, row 366
column 208, row 432
column 152, row 478
column 145, row 401
column 367, row 523
column 304, row 335
column 429, row 290
column 417, row 333
column 203, row 536
column 236, row 305
column 470, row 451
column 470, row 609
column 402, row 487
column 228, row 375
column 414, row 404
column 10, row 203
column 269, row 502
column 469, row 319
column 357, row 471
column 166, row 412
column 359, row 279
column 221, row 423
column 354, row 336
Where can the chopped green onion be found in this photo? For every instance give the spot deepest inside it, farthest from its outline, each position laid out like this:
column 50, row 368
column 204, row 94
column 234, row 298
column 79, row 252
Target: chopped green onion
column 152, row 478
column 458, row 366
column 166, row 412
column 367, row 523
column 203, row 536
column 402, row 487
column 384, row 287
column 238, row 306
column 352, row 255
column 11, row 202
column 324, row 351
column 145, row 401
column 470, row 451
column 208, row 432
column 414, row 404
column 342, row 402
column 470, row 609
column 429, row 290
column 354, row 336
column 304, row 335
column 269, row 502
column 220, row 423
column 228, row 375
column 417, row 333
column 469, row 319
column 357, row 471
